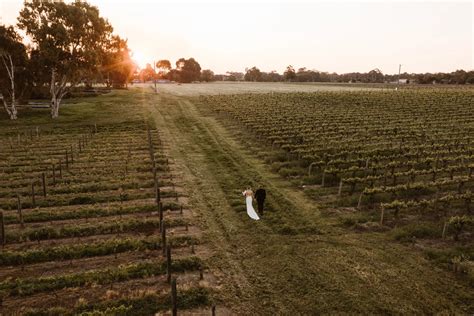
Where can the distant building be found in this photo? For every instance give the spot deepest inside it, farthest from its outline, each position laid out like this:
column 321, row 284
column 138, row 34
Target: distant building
column 401, row 81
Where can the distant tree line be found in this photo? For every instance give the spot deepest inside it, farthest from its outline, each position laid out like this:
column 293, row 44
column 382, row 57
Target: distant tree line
column 186, row 71
column 70, row 44
column 373, row 76
column 254, row 74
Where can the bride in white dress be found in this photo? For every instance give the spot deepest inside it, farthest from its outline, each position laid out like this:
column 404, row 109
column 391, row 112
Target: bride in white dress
column 248, row 199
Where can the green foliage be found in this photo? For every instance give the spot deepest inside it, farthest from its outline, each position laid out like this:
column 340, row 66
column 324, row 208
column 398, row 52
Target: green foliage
column 24, row 287
column 89, row 230
column 458, row 223
column 188, row 70
column 87, row 250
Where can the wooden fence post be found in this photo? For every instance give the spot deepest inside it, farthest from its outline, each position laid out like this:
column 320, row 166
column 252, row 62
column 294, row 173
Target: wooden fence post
column 340, row 188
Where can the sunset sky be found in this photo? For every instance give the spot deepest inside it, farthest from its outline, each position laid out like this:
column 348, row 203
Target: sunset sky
column 336, row 37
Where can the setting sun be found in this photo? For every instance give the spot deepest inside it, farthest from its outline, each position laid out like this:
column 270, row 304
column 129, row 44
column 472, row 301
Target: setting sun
column 141, row 60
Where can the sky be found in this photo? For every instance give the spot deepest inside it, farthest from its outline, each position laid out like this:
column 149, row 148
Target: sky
column 337, row 36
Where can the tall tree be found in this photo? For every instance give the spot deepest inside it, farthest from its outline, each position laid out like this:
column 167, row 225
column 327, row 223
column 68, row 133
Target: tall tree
column 290, row 73
column 253, row 74
column 207, row 75
column 147, row 74
column 189, row 70
column 70, row 39
column 118, row 66
column 164, row 67
column 13, row 76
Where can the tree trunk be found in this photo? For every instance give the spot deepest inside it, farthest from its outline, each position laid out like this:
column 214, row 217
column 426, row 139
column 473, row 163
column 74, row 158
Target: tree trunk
column 58, row 91
column 54, row 107
column 11, row 109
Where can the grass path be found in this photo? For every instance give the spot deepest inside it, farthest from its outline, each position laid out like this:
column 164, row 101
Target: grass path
column 294, row 261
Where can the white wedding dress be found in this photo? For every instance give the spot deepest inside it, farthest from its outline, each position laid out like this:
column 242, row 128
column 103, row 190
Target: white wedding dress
column 250, row 210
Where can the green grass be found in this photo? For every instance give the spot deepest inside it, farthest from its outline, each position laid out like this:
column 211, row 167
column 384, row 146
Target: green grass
column 294, row 261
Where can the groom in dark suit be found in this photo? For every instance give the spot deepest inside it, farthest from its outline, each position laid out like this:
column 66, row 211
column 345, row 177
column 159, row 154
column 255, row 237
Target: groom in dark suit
column 260, row 196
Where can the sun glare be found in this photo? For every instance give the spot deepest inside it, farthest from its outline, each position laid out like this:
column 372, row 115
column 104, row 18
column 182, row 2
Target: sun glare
column 141, row 59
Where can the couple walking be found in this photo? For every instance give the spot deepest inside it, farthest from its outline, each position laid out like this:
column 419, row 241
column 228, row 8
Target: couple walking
column 260, row 196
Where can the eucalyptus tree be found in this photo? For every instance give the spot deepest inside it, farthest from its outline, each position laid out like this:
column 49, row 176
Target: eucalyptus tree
column 68, row 39
column 13, row 62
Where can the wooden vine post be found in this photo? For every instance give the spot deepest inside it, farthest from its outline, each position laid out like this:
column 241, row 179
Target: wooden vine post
column 445, row 226
column 163, row 237
column 310, row 169
column 54, row 174
column 174, row 298
column 168, row 264
column 359, row 203
column 340, row 188
column 157, row 195
column 43, row 180
column 161, row 214
column 2, row 230
column 33, row 198
column 20, row 214
column 382, row 214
